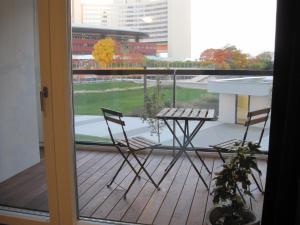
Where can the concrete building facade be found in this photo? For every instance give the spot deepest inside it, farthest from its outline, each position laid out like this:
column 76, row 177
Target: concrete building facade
column 167, row 22
column 238, row 96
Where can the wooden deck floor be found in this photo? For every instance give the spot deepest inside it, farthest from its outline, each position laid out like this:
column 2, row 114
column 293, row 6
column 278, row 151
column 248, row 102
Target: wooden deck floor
column 182, row 199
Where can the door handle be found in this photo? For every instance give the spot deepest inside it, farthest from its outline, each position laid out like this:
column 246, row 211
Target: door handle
column 43, row 94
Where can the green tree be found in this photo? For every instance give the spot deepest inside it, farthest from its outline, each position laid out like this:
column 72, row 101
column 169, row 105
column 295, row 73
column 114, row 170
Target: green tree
column 154, row 102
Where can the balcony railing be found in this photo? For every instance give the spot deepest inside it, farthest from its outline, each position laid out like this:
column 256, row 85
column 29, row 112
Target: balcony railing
column 140, row 89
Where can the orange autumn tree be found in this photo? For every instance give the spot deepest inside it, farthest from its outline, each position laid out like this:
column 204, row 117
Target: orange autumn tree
column 228, row 57
column 103, row 51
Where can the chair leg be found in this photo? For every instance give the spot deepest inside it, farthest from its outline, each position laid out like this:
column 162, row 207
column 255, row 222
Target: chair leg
column 257, row 184
column 126, row 159
column 220, row 154
column 116, row 174
column 143, row 168
column 145, row 160
column 130, row 185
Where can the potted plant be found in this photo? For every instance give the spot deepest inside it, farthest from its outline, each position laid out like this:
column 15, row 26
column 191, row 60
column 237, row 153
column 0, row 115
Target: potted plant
column 230, row 184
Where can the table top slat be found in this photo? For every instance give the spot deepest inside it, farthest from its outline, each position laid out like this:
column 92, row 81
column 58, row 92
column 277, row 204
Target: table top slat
column 163, row 111
column 194, row 113
column 171, row 112
column 211, row 114
column 179, row 112
column 187, row 112
column 203, row 113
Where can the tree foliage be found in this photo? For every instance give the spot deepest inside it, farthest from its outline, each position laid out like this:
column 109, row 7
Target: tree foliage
column 229, row 57
column 154, row 102
column 103, row 51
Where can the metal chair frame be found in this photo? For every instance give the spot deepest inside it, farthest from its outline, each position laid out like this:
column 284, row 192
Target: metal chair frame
column 253, row 117
column 133, row 145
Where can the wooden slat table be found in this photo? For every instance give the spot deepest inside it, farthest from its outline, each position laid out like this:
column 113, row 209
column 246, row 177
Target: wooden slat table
column 186, row 115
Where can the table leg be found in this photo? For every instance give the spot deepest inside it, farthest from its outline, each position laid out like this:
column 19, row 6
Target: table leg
column 194, row 166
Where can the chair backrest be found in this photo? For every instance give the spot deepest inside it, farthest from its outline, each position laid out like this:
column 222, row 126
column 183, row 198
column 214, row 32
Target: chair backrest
column 255, row 117
column 115, row 117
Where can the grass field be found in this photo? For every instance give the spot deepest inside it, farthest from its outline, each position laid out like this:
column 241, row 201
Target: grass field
column 131, row 102
column 89, row 138
column 106, row 85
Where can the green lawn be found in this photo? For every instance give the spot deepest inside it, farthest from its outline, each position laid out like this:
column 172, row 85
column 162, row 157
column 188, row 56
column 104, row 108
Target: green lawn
column 106, row 85
column 131, row 102
column 82, row 137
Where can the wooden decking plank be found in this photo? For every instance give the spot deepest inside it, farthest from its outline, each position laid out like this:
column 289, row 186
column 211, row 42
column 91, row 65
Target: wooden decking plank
column 83, row 167
column 85, row 159
column 117, row 194
column 120, row 209
column 93, row 165
column 144, row 203
column 81, row 154
column 198, row 206
column 136, row 208
column 40, row 199
column 153, row 205
column 21, row 178
column 10, row 197
column 98, row 194
column 168, row 206
column 96, row 167
column 99, row 183
column 185, row 200
column 217, row 166
column 91, row 180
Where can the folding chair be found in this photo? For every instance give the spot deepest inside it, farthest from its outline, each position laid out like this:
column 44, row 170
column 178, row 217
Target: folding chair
column 132, row 146
column 253, row 117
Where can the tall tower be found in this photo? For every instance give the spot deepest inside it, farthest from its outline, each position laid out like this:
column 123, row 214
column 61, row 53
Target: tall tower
column 179, row 29
column 76, row 11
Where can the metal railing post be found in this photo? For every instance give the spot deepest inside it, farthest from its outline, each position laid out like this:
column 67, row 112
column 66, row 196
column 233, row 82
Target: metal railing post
column 174, row 105
column 145, row 90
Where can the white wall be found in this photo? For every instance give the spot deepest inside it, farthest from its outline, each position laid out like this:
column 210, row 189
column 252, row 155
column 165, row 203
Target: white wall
column 19, row 132
column 227, row 107
column 179, row 29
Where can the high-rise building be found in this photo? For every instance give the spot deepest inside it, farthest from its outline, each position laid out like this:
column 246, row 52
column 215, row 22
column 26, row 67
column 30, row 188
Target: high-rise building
column 167, row 22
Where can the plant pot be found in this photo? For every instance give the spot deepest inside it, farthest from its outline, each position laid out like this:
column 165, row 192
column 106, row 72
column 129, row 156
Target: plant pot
column 216, row 212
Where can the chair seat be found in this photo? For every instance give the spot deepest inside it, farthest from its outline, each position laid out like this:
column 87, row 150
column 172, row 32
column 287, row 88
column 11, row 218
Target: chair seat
column 138, row 143
column 227, row 145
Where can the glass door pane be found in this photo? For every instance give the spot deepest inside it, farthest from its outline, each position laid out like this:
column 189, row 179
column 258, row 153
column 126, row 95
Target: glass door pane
column 22, row 169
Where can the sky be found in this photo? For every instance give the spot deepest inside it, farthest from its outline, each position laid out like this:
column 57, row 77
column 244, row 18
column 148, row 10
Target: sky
column 247, row 24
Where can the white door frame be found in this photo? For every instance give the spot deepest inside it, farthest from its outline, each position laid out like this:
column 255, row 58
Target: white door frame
column 55, row 69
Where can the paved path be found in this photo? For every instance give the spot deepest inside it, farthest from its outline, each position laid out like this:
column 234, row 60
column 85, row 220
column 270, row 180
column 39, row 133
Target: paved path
column 210, row 133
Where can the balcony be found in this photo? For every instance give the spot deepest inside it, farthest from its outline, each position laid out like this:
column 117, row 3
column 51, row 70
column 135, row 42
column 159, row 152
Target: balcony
column 183, row 199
